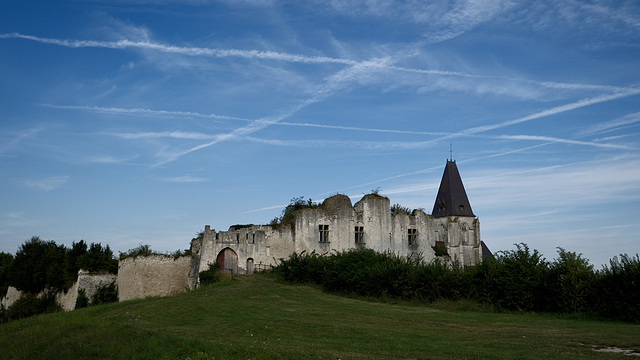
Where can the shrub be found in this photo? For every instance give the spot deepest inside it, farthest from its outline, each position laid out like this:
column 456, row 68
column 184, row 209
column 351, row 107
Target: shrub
column 105, row 294
column 570, row 283
column 518, row 281
column 618, row 289
column 30, row 304
column 397, row 209
column 82, row 300
column 212, row 275
column 288, row 216
column 141, row 250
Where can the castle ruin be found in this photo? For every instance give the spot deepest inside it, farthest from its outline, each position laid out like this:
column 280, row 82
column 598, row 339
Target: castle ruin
column 451, row 232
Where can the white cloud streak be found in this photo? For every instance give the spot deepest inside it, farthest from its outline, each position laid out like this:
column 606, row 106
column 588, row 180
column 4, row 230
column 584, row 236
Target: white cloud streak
column 187, row 51
column 545, row 113
column 47, row 184
column 144, row 112
column 185, row 179
column 267, row 55
column 624, row 121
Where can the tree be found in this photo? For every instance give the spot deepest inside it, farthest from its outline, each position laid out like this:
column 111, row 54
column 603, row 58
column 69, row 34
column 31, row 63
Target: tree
column 98, row 259
column 6, row 261
column 37, row 266
column 71, row 262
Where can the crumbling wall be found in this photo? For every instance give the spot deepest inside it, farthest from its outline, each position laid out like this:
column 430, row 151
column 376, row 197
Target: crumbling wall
column 12, row 295
column 156, row 275
column 86, row 281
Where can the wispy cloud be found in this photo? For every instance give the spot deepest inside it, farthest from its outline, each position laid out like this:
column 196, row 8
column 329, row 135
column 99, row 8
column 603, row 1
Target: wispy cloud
column 144, row 112
column 552, row 111
column 47, row 184
column 164, row 134
column 187, row 51
column 343, row 78
column 566, row 141
column 185, row 179
column 443, row 20
column 606, row 126
column 19, row 137
column 279, row 56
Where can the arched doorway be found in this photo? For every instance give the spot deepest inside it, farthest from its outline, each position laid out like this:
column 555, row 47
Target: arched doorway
column 228, row 260
column 249, row 266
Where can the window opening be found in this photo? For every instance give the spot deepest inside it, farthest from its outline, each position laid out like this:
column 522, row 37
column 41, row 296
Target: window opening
column 412, row 236
column 324, row 233
column 359, row 231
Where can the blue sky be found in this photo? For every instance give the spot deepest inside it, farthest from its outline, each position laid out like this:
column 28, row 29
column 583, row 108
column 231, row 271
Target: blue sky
column 139, row 122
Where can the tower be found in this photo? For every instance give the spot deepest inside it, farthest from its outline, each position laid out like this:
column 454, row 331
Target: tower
column 452, row 198
column 458, row 228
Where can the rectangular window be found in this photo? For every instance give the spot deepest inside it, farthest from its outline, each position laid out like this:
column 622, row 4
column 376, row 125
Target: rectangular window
column 359, row 230
column 413, row 237
column 324, row 233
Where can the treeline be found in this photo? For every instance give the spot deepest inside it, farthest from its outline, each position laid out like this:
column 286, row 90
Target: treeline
column 514, row 280
column 41, row 269
column 40, row 265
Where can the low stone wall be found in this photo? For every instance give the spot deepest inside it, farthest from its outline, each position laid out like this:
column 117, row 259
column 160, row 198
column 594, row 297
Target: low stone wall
column 12, row 295
column 88, row 282
column 156, row 275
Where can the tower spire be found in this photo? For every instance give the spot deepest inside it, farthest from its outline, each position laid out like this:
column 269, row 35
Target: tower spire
column 452, row 198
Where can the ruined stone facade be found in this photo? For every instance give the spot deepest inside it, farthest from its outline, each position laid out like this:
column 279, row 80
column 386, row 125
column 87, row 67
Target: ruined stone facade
column 453, row 233
column 156, row 275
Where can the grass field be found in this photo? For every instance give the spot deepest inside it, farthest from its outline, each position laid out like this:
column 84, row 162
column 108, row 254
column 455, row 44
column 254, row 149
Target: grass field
column 255, row 317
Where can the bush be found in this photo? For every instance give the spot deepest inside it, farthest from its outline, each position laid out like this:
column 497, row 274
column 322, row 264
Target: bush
column 518, row 280
column 212, row 275
column 105, row 294
column 30, row 304
column 618, row 289
column 141, row 250
column 288, row 216
column 570, row 283
column 397, row 209
column 82, row 300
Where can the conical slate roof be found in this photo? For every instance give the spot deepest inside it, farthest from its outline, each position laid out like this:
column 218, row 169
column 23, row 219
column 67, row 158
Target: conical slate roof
column 452, row 199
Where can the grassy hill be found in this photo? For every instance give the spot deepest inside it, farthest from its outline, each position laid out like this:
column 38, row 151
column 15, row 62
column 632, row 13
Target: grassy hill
column 255, row 317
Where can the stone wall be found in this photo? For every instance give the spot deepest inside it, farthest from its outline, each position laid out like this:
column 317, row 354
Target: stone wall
column 12, row 295
column 156, row 275
column 90, row 283
column 86, row 281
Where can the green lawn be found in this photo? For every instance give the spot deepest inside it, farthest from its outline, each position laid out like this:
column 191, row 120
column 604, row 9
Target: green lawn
column 255, row 317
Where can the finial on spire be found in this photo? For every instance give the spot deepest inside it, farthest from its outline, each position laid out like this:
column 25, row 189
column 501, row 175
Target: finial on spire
column 451, row 152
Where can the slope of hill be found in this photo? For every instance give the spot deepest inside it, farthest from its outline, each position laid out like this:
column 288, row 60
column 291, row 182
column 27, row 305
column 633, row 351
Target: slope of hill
column 255, row 317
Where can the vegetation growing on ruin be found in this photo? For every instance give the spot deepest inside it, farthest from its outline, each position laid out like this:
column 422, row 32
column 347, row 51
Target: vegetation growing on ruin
column 239, row 226
column 257, row 317
column 288, row 216
column 145, row 250
column 515, row 280
column 397, row 209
